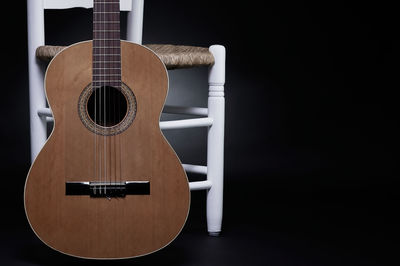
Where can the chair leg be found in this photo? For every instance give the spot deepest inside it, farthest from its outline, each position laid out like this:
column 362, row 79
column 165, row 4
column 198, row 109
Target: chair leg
column 135, row 22
column 215, row 145
column 37, row 97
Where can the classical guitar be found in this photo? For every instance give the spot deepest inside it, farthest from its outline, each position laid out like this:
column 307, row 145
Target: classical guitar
column 106, row 185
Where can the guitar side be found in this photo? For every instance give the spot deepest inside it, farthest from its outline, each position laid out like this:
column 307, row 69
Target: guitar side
column 101, row 228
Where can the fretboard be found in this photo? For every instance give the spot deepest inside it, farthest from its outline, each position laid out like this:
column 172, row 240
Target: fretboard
column 106, row 43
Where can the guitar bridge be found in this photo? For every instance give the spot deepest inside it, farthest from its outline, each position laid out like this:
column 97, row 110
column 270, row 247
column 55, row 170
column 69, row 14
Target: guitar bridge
column 107, row 189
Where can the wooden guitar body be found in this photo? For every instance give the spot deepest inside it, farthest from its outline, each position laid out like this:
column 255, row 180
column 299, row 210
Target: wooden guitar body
column 106, row 227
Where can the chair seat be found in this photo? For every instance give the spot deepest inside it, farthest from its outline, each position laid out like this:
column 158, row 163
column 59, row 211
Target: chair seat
column 173, row 56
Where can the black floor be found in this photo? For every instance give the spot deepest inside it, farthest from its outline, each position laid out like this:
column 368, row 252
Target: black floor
column 267, row 221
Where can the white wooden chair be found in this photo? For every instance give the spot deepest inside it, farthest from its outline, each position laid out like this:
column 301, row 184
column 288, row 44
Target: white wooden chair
column 212, row 117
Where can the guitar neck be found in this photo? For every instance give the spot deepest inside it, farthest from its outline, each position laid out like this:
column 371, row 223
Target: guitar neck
column 106, row 43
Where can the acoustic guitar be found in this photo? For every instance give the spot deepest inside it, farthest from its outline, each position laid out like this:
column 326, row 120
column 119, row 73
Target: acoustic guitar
column 106, row 185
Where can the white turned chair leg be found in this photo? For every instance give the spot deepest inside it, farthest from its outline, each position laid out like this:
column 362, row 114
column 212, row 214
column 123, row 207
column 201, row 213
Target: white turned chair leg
column 215, row 145
column 37, row 97
column 135, row 22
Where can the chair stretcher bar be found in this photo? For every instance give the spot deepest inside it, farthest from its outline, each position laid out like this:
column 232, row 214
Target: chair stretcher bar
column 170, row 109
column 164, row 125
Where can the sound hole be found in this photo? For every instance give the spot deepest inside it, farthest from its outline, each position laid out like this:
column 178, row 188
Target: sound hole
column 107, row 106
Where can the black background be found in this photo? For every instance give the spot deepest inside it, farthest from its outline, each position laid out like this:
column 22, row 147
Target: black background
column 311, row 150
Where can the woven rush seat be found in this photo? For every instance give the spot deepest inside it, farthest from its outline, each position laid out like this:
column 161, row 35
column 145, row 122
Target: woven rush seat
column 173, row 56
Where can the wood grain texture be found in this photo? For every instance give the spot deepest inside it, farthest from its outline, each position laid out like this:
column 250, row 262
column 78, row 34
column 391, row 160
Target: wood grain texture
column 97, row 227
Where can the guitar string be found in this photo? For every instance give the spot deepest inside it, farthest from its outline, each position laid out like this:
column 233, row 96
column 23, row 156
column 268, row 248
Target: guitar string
column 115, row 59
column 115, row 151
column 109, row 88
column 99, row 84
column 100, row 99
column 97, row 119
column 120, row 86
column 112, row 101
column 104, row 100
column 94, row 89
column 115, row 172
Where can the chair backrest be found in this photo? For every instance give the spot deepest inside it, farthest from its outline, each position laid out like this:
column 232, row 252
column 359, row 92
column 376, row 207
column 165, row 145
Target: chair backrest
column 36, row 15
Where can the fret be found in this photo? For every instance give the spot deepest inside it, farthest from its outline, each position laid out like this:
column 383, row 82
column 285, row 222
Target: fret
column 105, row 81
column 98, row 61
column 99, row 10
column 106, row 12
column 102, row 82
column 113, row 36
column 109, row 42
column 105, row 22
column 106, row 30
column 98, row 81
column 106, row 74
column 106, row 68
column 102, row 75
column 106, row 59
column 113, row 42
column 110, row 36
column 106, row 25
column 111, row 70
column 106, row 50
column 106, row 53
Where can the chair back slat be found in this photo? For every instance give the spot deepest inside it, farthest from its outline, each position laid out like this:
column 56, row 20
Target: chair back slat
column 125, row 5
